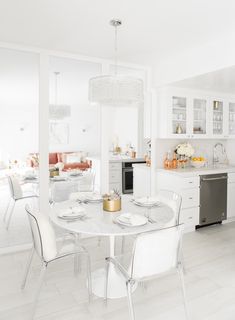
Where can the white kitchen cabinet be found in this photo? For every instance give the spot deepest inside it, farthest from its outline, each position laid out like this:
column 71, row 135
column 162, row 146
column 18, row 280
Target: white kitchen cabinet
column 182, row 114
column 231, row 118
column 188, row 188
column 115, row 175
column 231, row 197
column 200, row 125
column 189, row 114
column 218, row 116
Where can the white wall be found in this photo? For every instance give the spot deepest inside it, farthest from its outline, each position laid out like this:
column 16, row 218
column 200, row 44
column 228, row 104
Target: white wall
column 72, row 87
column 18, row 104
column 84, row 131
column 218, row 54
column 124, row 128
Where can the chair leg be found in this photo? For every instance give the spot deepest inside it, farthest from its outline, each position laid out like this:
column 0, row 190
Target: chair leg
column 10, row 215
column 89, row 282
column 7, row 208
column 129, row 297
column 106, row 282
column 181, row 276
column 123, row 244
column 77, row 261
column 27, row 268
column 41, row 278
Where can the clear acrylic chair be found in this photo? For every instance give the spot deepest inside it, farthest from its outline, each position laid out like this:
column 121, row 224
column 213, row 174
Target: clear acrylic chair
column 170, row 199
column 45, row 246
column 87, row 182
column 154, row 253
column 16, row 194
column 61, row 190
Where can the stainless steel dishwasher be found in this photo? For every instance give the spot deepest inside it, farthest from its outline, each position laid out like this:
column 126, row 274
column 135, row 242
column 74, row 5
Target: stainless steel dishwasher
column 213, row 199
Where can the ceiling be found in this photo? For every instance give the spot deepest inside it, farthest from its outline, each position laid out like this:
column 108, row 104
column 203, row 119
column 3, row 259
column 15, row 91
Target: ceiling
column 152, row 30
column 219, row 81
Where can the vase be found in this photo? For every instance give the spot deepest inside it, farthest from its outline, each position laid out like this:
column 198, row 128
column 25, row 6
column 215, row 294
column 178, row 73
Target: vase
column 182, row 162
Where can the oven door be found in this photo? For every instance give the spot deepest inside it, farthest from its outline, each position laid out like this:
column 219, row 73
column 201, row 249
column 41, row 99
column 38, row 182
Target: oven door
column 127, row 180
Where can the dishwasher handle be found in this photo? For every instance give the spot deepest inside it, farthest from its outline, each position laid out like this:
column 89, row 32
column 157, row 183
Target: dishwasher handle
column 213, row 179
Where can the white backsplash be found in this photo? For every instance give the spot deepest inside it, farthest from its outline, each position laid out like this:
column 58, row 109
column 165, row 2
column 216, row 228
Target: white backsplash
column 202, row 148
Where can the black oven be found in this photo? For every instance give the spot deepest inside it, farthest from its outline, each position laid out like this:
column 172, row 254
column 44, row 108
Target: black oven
column 127, row 176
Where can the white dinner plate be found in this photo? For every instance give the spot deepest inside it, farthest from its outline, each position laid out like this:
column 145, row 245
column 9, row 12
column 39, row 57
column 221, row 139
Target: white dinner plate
column 57, row 178
column 131, row 219
column 87, row 197
column 146, row 201
column 72, row 213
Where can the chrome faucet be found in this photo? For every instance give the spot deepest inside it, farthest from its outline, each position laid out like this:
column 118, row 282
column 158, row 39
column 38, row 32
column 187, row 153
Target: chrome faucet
column 215, row 155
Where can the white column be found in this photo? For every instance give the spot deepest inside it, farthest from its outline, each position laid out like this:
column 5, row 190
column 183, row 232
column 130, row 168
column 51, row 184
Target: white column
column 106, row 122
column 153, row 141
column 43, row 132
column 104, row 141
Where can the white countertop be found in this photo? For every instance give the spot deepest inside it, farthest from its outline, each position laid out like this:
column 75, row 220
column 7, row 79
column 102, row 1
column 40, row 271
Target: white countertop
column 122, row 158
column 190, row 171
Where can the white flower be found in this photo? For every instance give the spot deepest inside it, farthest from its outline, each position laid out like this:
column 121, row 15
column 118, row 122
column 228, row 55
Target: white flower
column 185, row 149
column 59, row 165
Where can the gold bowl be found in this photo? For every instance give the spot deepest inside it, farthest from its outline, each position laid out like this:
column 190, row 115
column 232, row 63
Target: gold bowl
column 112, row 205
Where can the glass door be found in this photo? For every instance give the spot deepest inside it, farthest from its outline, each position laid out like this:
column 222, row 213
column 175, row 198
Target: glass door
column 199, row 117
column 179, row 115
column 231, row 118
column 218, row 117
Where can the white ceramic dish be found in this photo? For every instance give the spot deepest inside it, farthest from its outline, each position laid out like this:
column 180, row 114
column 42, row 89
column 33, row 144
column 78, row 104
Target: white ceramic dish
column 146, row 201
column 198, row 164
column 131, row 219
column 72, row 213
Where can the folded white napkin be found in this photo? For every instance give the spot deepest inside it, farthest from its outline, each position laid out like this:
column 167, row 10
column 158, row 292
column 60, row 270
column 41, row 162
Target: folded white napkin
column 132, row 219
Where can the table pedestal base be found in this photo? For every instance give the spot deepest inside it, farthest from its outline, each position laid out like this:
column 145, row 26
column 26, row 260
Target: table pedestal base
column 117, row 284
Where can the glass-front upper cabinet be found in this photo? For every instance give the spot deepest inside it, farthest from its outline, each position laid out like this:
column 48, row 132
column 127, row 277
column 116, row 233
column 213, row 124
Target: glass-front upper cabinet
column 231, row 118
column 179, row 115
column 200, row 117
column 218, row 117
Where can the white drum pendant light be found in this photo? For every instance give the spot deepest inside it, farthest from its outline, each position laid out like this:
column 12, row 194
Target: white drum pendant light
column 116, row 90
column 58, row 111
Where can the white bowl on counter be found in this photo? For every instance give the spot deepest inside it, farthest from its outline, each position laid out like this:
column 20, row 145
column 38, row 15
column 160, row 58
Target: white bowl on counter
column 198, row 164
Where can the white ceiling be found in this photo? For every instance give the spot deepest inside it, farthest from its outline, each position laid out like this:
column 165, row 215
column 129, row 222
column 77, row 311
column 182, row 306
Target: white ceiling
column 152, row 29
column 219, row 81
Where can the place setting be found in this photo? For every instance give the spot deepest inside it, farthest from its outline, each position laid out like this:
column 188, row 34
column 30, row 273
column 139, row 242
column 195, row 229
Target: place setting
column 147, row 202
column 72, row 214
column 75, row 173
column 30, row 176
column 58, row 178
column 87, row 197
column 132, row 220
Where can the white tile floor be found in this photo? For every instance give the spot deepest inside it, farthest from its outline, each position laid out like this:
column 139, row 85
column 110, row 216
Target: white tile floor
column 210, row 282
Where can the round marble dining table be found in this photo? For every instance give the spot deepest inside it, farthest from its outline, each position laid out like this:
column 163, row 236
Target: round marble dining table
column 102, row 223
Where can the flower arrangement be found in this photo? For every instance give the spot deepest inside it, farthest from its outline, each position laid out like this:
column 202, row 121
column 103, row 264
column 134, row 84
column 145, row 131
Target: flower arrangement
column 184, row 150
column 59, row 165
